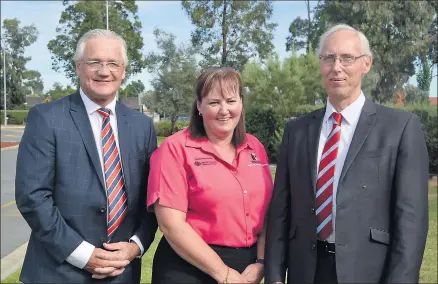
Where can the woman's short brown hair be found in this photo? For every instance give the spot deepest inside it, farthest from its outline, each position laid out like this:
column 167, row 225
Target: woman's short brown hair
column 228, row 79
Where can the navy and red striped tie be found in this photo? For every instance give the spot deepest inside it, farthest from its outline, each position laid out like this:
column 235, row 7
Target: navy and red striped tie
column 114, row 182
column 326, row 175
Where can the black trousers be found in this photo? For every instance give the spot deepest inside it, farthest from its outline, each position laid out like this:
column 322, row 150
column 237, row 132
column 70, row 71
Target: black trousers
column 169, row 267
column 325, row 267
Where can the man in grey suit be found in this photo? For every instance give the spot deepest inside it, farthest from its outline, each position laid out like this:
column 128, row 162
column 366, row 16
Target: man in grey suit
column 350, row 200
column 82, row 170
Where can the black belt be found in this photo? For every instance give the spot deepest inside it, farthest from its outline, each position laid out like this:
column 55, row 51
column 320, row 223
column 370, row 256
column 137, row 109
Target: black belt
column 234, row 248
column 327, row 247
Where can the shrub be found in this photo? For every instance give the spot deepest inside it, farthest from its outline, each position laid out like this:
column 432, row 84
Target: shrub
column 163, row 127
column 16, row 117
column 267, row 127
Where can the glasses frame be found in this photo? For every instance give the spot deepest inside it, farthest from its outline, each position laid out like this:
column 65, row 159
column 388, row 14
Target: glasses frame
column 343, row 63
column 102, row 64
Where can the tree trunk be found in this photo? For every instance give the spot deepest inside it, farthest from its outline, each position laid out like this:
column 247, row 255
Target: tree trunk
column 308, row 26
column 224, row 34
column 173, row 122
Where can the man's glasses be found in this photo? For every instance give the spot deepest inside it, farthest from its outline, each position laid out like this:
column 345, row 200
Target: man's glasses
column 344, row 59
column 95, row 65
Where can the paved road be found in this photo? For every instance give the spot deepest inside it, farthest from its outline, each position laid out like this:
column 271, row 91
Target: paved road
column 11, row 134
column 14, row 229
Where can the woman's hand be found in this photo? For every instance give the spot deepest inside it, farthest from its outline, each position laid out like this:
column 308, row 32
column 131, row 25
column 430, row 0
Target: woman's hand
column 253, row 273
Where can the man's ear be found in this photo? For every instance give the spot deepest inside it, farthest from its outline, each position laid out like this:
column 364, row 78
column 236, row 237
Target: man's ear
column 368, row 62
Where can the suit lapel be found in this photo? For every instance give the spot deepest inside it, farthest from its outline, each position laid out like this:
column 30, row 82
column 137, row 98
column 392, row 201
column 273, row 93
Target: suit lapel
column 366, row 121
column 312, row 142
column 123, row 129
column 80, row 118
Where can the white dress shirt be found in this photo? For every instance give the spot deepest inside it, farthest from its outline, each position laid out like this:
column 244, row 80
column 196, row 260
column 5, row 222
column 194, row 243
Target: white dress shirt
column 80, row 256
column 350, row 117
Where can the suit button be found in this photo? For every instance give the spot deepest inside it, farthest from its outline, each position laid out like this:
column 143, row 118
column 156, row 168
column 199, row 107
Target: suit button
column 312, row 210
column 102, row 209
column 313, row 247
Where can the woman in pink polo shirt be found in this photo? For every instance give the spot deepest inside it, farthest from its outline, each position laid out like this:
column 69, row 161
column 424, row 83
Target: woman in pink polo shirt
column 210, row 186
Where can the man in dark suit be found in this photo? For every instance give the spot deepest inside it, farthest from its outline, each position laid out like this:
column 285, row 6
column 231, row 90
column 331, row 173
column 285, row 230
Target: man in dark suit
column 82, row 170
column 350, row 200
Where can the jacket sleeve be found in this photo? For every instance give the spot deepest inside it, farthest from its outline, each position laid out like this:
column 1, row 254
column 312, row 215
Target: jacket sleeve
column 278, row 220
column 410, row 210
column 148, row 222
column 34, row 186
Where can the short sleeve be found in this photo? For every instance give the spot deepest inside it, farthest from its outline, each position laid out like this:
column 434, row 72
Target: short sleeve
column 167, row 182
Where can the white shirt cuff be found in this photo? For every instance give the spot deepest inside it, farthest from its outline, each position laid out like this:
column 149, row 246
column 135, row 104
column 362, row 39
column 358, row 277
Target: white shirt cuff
column 138, row 242
column 80, row 256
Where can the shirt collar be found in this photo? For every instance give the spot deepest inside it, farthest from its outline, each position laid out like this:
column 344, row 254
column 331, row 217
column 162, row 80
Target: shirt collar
column 92, row 107
column 350, row 114
column 205, row 144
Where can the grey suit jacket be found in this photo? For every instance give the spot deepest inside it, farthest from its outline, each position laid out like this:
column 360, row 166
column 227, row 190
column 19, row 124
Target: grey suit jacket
column 382, row 202
column 59, row 188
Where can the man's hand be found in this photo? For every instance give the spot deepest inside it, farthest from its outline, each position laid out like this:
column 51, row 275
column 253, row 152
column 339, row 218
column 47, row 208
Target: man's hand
column 253, row 273
column 101, row 259
column 122, row 251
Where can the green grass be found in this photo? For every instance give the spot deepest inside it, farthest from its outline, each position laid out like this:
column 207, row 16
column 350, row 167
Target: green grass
column 428, row 273
column 160, row 139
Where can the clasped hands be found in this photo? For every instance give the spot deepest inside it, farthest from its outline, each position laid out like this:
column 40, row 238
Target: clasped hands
column 112, row 260
column 253, row 273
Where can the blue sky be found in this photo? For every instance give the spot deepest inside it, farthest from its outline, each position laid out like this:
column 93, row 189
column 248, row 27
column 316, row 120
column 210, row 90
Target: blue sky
column 166, row 15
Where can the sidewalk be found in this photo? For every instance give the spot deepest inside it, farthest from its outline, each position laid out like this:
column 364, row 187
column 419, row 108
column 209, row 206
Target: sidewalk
column 13, row 261
column 12, row 126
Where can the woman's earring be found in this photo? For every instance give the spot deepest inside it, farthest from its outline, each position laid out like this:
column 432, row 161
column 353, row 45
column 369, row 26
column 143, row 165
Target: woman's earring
column 200, row 114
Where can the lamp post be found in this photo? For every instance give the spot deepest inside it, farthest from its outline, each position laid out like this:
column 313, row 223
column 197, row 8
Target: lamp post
column 107, row 23
column 4, row 86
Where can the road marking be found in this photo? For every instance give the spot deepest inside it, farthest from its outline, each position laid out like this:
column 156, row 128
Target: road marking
column 8, row 204
column 12, row 135
column 9, row 148
column 10, row 215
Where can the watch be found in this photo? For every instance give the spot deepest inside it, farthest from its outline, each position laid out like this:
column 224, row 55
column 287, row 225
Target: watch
column 260, row 260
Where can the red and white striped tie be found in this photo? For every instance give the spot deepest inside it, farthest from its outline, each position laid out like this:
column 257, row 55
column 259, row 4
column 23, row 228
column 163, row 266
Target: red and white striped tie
column 324, row 184
column 115, row 184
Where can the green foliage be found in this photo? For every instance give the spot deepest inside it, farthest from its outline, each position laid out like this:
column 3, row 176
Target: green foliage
column 268, row 128
column 285, row 85
column 304, row 109
column 424, row 76
column 164, row 127
column 16, row 117
column 230, row 32
column 176, row 70
column 58, row 91
column 16, row 38
column 32, row 82
column 414, row 94
column 132, row 90
column 80, row 17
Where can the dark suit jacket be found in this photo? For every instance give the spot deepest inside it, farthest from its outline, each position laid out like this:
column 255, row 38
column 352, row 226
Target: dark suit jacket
column 382, row 202
column 59, row 188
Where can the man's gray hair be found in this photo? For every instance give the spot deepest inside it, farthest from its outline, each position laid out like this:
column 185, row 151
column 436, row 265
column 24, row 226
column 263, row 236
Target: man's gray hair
column 365, row 45
column 80, row 48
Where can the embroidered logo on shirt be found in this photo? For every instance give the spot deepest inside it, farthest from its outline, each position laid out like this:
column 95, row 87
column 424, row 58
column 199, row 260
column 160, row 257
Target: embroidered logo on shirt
column 205, row 161
column 255, row 161
column 253, row 157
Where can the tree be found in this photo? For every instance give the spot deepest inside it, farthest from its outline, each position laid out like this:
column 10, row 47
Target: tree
column 58, row 91
column 282, row 86
column 80, row 17
column 230, row 32
column 175, row 69
column 397, row 32
column 15, row 39
column 32, row 82
column 132, row 90
column 413, row 94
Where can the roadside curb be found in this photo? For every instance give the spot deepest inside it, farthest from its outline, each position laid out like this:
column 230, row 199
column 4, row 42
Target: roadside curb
column 13, row 261
column 9, row 148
